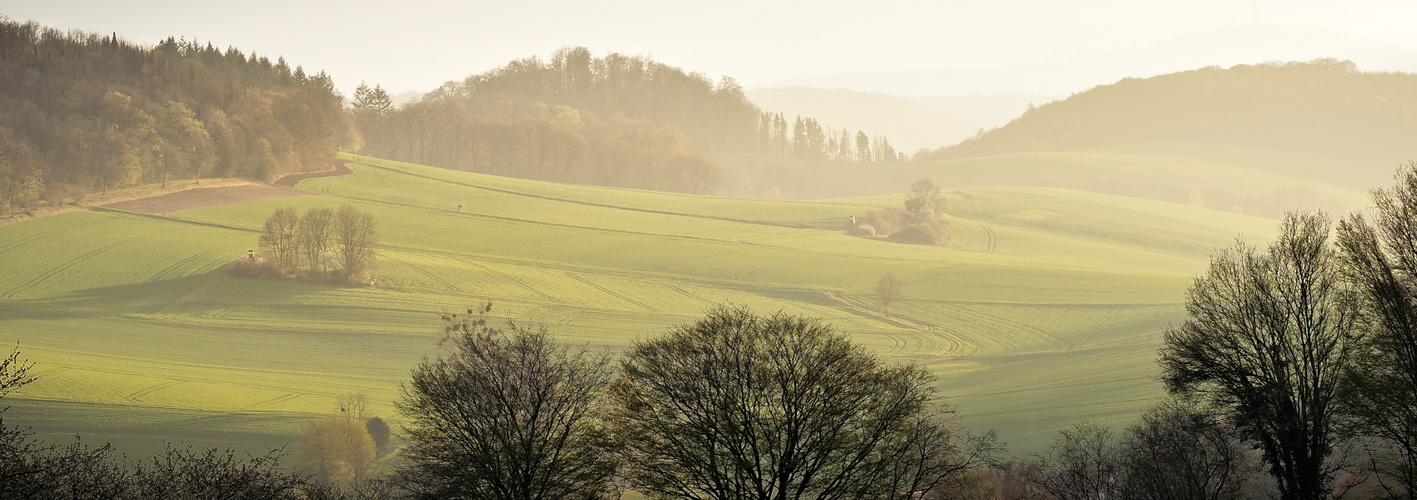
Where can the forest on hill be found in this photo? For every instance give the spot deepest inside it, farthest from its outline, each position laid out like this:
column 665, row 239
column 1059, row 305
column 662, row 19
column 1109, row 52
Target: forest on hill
column 1324, row 106
column 88, row 112
column 617, row 120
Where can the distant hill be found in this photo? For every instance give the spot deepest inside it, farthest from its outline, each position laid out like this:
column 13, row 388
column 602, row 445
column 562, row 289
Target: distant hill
column 1325, row 107
column 1222, row 47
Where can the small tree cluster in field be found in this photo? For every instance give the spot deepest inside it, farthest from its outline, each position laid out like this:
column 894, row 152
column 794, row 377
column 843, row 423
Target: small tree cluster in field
column 920, row 220
column 319, row 245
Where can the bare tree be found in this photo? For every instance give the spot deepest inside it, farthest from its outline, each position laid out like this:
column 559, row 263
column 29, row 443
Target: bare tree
column 356, row 235
column 1381, row 264
column 354, row 404
column 506, row 415
column 1180, row 452
column 278, row 242
column 1083, row 463
column 739, row 406
column 313, row 239
column 887, row 292
column 1267, row 343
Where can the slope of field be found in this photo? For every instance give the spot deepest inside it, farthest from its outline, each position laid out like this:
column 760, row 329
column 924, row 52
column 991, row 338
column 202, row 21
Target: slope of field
column 1046, row 309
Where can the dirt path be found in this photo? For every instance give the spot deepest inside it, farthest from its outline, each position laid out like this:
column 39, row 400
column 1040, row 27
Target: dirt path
column 293, row 179
column 193, row 199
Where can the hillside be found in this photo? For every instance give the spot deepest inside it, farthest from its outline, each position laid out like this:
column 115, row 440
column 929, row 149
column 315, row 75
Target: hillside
column 1045, row 310
column 85, row 112
column 1325, row 108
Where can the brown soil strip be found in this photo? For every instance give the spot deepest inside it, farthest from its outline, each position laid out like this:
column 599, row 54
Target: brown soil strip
column 293, row 179
column 193, row 199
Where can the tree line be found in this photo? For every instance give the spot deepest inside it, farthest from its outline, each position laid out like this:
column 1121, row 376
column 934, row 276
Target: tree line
column 616, row 120
column 86, row 112
column 809, row 141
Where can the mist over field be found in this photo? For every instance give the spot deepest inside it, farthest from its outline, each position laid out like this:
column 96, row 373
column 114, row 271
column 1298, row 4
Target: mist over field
column 996, row 250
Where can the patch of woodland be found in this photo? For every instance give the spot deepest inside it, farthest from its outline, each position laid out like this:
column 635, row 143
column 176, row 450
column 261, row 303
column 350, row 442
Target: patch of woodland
column 320, row 246
column 617, row 120
column 920, row 220
column 87, row 112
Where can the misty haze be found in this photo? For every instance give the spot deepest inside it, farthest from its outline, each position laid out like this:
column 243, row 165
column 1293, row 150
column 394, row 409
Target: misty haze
column 1013, row 250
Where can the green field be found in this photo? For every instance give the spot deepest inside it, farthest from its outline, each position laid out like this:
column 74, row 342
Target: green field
column 139, row 336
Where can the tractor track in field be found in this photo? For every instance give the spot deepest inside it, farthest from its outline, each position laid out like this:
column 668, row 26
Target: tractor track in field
column 589, row 203
column 612, row 293
column 514, row 281
column 163, row 274
column 502, row 218
column 151, row 389
column 56, row 270
column 277, row 400
column 684, row 292
column 427, row 273
column 925, row 334
column 27, row 239
column 991, row 240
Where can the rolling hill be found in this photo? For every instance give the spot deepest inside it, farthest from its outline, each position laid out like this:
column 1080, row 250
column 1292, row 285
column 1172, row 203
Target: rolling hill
column 1046, row 309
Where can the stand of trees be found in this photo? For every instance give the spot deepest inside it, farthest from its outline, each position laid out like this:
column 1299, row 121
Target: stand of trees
column 90, row 112
column 317, row 245
column 920, row 219
column 809, row 141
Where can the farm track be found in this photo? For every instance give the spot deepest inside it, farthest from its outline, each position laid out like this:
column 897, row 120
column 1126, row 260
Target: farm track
column 612, row 293
column 290, row 180
column 588, row 203
column 56, row 270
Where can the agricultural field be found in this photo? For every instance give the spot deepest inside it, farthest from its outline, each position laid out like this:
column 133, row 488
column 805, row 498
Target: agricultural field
column 1046, row 308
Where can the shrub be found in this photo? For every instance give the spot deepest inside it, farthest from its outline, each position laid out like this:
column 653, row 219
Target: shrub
column 246, row 267
column 933, row 232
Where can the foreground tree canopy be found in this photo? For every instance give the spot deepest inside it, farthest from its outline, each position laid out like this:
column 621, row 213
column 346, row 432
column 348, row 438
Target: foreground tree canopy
column 506, row 414
column 1268, row 340
column 741, row 406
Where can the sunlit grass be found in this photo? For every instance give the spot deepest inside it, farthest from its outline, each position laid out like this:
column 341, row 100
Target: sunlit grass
column 135, row 313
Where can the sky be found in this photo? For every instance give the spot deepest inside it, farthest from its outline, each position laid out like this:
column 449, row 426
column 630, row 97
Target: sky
column 418, row 45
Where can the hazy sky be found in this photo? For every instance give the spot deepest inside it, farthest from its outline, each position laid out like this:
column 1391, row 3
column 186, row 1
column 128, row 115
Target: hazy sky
column 417, row 45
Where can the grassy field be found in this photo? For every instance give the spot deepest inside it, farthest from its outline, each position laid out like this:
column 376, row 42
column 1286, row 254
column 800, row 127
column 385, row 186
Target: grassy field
column 139, row 336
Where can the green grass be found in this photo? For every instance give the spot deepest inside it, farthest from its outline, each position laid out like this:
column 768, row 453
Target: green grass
column 139, row 336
